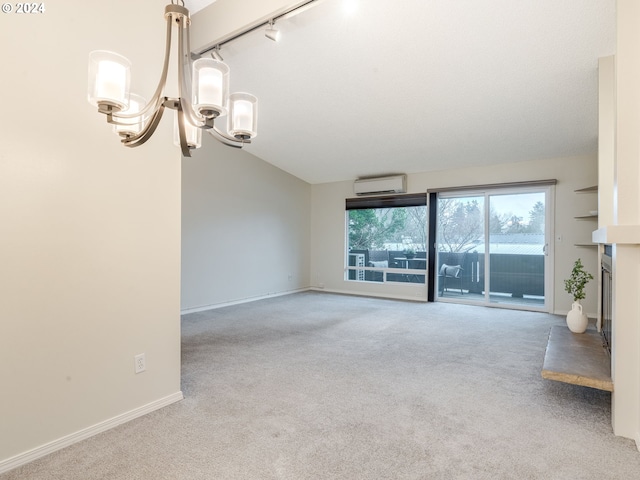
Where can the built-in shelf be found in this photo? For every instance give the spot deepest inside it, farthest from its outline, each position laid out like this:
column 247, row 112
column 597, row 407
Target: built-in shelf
column 588, row 216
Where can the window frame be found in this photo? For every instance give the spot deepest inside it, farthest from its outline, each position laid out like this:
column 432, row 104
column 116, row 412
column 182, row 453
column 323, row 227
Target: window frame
column 385, row 201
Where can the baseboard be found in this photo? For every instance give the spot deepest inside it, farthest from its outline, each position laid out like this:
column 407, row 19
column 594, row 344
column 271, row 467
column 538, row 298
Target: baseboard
column 213, row 306
column 63, row 442
column 371, row 295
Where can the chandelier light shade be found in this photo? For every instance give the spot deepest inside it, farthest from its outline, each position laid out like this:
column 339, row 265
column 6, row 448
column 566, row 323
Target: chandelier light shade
column 132, row 126
column 203, row 87
column 193, row 134
column 243, row 116
column 109, row 79
column 210, row 87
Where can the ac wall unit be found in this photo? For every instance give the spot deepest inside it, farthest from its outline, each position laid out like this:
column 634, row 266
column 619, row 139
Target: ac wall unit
column 371, row 186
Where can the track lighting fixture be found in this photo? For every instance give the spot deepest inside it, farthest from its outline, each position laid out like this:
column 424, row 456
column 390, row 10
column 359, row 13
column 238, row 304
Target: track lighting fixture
column 215, row 54
column 271, row 33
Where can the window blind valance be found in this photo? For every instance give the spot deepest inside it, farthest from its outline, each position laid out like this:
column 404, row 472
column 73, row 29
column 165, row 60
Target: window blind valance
column 387, row 201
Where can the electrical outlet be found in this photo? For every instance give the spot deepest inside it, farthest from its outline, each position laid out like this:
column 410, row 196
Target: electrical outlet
column 140, row 363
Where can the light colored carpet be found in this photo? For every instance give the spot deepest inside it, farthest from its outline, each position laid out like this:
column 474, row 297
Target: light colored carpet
column 322, row 386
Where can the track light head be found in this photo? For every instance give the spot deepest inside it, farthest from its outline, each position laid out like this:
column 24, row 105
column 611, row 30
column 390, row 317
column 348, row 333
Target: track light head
column 271, row 33
column 215, row 54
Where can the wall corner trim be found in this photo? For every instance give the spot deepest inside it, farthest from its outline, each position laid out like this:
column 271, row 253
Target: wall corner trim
column 67, row 440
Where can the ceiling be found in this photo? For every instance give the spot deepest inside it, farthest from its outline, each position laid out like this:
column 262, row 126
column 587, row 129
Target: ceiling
column 422, row 85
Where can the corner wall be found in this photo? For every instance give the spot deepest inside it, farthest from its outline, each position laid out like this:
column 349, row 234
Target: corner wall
column 245, row 228
column 90, row 233
column 328, row 224
column 626, row 214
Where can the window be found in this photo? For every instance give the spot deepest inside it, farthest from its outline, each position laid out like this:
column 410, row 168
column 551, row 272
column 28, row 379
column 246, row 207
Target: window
column 386, row 239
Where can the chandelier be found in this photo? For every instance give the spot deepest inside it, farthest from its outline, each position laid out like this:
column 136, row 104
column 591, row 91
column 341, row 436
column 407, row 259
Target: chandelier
column 202, row 95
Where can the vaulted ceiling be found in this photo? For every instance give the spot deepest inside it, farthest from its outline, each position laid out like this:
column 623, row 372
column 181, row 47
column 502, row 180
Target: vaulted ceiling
column 422, row 85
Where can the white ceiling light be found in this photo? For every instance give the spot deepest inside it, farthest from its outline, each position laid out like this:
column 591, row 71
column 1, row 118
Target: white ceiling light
column 271, row 33
column 202, row 94
column 350, row 6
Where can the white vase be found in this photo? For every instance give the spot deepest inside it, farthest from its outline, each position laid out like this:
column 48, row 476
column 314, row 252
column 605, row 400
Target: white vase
column 577, row 321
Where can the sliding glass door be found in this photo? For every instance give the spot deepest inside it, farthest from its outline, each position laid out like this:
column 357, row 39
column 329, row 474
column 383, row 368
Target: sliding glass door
column 460, row 246
column 517, row 248
column 492, row 247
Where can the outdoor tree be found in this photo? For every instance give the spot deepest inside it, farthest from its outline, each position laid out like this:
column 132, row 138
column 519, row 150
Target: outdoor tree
column 416, row 227
column 514, row 224
column 536, row 218
column 460, row 224
column 497, row 222
column 371, row 228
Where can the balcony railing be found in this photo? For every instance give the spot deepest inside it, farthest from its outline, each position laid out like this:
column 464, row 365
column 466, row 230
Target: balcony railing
column 516, row 275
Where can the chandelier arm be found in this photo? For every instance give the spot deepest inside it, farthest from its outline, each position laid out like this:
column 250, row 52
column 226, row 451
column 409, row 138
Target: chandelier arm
column 227, row 139
column 148, row 130
column 184, row 146
column 222, row 140
column 184, row 78
column 186, row 66
column 157, row 99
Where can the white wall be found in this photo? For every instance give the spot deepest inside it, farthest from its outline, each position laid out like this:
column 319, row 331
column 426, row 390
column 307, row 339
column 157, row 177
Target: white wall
column 245, row 228
column 246, row 225
column 90, row 232
column 328, row 223
column 626, row 212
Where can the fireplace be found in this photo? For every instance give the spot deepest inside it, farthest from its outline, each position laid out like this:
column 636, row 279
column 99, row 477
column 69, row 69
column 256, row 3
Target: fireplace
column 607, row 297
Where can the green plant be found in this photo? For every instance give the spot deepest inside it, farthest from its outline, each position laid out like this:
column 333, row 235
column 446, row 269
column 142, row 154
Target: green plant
column 576, row 282
column 409, row 251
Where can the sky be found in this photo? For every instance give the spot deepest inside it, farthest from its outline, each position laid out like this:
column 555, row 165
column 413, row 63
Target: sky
column 519, row 204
